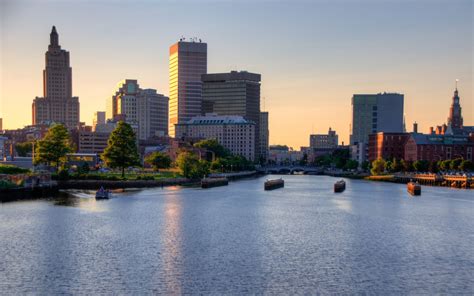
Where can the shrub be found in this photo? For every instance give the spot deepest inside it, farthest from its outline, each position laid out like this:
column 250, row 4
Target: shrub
column 11, row 169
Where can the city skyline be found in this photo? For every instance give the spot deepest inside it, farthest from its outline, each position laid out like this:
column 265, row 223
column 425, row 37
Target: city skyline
column 305, row 90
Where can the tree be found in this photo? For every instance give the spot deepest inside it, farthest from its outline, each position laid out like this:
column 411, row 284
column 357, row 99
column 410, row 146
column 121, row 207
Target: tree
column 396, row 165
column 444, row 164
column 191, row 167
column 388, row 166
column 304, row 160
column 351, row 164
column 121, row 151
column 22, row 149
column 455, row 163
column 421, row 165
column 158, row 160
column 433, row 167
column 365, row 165
column 407, row 166
column 378, row 167
column 466, row 165
column 52, row 149
column 214, row 146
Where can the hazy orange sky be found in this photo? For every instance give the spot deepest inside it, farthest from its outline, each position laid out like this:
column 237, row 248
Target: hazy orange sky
column 312, row 55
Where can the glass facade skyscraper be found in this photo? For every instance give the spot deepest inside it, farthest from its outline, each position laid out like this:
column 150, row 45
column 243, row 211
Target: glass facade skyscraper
column 187, row 62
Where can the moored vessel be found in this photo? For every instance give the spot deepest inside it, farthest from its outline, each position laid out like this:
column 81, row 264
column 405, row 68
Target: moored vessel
column 340, row 186
column 274, row 184
column 414, row 188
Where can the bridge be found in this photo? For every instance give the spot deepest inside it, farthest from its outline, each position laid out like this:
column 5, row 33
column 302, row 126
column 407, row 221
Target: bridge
column 290, row 170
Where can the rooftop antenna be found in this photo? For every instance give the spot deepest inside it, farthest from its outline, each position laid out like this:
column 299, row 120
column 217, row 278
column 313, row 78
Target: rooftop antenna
column 457, row 80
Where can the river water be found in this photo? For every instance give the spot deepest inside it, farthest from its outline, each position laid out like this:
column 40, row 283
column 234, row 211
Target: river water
column 373, row 238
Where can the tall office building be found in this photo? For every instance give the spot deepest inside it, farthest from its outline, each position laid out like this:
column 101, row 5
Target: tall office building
column 152, row 109
column 455, row 117
column 57, row 103
column 234, row 93
column 187, row 62
column 99, row 118
column 373, row 113
column 142, row 107
column 264, row 136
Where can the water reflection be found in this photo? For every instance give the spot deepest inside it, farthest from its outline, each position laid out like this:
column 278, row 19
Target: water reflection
column 172, row 240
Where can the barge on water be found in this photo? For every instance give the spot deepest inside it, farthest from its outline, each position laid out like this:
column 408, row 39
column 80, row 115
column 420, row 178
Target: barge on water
column 214, row 182
column 339, row 186
column 414, row 188
column 274, row 184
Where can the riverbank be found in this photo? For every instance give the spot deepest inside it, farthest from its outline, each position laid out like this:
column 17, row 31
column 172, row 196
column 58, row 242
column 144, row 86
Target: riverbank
column 462, row 182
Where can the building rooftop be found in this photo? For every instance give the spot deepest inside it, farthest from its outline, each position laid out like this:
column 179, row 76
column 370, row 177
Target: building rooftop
column 214, row 119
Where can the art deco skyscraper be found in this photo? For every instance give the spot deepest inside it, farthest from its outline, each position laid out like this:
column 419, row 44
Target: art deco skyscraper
column 57, row 103
column 188, row 61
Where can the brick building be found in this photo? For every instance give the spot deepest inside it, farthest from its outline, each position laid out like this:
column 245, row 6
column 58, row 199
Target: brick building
column 387, row 145
column 438, row 147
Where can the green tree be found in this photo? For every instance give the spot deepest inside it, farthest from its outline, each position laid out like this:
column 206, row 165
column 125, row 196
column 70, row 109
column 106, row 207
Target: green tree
column 158, row 160
column 365, row 165
column 191, row 167
column 421, row 165
column 304, row 160
column 378, row 167
column 214, row 146
column 407, row 165
column 351, row 164
column 22, row 149
column 433, row 167
column 52, row 149
column 388, row 166
column 455, row 163
column 466, row 165
column 396, row 165
column 121, row 151
column 444, row 164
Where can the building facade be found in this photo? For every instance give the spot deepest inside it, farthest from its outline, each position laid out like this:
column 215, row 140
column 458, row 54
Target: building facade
column 152, row 114
column 387, row 146
column 234, row 93
column 233, row 132
column 321, row 141
column 57, row 104
column 381, row 112
column 99, row 118
column 439, row 147
column 264, row 136
column 187, row 62
column 142, row 107
column 92, row 142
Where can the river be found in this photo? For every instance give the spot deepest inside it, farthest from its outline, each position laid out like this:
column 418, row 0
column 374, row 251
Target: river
column 373, row 238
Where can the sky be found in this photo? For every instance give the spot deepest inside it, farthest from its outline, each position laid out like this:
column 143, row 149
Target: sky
column 312, row 55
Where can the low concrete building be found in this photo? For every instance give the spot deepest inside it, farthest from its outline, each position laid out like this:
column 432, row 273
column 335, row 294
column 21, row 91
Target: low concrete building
column 233, row 132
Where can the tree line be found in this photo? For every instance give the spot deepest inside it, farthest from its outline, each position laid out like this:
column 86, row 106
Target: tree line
column 381, row 166
column 122, row 153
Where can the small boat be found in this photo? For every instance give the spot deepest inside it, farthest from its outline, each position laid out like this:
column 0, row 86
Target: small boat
column 214, row 182
column 414, row 188
column 274, row 184
column 340, row 186
column 102, row 194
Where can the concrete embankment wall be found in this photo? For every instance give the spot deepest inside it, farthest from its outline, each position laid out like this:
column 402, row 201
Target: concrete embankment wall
column 96, row 184
column 27, row 193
